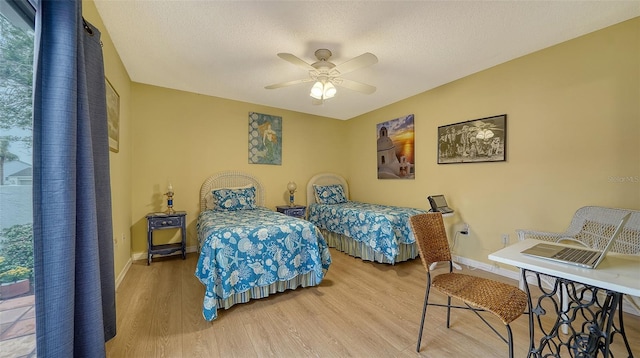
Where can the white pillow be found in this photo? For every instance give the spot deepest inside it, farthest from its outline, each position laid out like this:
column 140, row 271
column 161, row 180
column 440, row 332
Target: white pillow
column 210, row 201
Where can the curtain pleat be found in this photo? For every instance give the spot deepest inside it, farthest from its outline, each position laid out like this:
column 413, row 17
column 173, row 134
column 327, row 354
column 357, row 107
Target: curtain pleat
column 94, row 65
column 73, row 250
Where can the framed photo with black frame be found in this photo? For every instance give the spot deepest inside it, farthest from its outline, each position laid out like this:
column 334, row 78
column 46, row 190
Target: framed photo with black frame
column 474, row 141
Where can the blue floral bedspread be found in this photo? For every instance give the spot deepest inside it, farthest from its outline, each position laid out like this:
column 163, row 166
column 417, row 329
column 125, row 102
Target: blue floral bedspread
column 381, row 227
column 244, row 249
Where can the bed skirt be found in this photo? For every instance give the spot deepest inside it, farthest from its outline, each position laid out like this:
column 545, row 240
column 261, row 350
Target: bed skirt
column 305, row 280
column 355, row 248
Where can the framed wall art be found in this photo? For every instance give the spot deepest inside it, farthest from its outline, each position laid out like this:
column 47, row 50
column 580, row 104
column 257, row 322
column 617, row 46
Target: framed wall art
column 265, row 139
column 478, row 140
column 113, row 116
column 395, row 148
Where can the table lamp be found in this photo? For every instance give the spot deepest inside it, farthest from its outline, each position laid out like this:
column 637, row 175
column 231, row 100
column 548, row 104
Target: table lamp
column 292, row 189
column 169, row 195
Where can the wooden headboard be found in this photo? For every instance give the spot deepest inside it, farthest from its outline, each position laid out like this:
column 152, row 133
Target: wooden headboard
column 230, row 179
column 325, row 179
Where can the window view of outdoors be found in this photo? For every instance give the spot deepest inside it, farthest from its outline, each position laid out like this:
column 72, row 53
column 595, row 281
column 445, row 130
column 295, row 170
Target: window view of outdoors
column 17, row 316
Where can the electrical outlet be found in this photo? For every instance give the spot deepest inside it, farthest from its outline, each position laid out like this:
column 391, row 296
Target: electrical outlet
column 465, row 229
column 123, row 237
column 505, row 239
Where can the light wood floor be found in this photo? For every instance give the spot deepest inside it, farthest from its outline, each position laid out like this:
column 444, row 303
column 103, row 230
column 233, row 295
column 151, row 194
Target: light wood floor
column 361, row 309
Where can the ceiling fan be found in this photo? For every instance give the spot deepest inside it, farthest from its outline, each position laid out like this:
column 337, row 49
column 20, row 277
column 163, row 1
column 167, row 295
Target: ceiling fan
column 327, row 75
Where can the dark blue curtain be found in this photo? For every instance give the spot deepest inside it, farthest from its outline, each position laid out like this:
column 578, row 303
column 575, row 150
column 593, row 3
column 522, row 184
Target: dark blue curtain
column 73, row 250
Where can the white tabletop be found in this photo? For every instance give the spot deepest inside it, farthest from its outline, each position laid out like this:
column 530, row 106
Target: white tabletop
column 617, row 272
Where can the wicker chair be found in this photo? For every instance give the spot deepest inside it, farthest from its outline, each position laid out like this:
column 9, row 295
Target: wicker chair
column 592, row 226
column 478, row 294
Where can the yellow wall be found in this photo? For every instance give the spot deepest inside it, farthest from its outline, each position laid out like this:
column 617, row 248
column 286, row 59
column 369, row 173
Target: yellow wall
column 184, row 138
column 573, row 139
column 120, row 163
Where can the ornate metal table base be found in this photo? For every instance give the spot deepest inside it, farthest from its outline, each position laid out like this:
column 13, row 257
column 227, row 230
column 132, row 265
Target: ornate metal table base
column 587, row 312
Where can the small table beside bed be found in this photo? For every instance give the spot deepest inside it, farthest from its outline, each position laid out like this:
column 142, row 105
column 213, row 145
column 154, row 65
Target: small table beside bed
column 248, row 251
column 373, row 232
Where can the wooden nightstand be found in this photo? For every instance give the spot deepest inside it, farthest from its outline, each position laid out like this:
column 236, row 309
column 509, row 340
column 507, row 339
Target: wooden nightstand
column 161, row 221
column 297, row 211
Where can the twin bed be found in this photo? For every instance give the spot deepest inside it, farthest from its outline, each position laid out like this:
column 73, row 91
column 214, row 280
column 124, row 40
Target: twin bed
column 249, row 252
column 380, row 233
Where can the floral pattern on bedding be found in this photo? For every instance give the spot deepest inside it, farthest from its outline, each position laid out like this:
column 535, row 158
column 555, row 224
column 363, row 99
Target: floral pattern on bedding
column 244, row 249
column 381, row 227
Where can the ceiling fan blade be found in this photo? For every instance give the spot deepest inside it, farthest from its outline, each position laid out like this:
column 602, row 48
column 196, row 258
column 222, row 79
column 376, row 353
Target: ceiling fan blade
column 296, row 61
column 353, row 85
column 289, row 83
column 364, row 60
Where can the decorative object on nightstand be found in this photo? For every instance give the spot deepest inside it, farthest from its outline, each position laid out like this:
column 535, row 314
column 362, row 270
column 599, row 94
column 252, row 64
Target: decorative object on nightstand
column 292, row 189
column 169, row 195
column 161, row 221
column 297, row 211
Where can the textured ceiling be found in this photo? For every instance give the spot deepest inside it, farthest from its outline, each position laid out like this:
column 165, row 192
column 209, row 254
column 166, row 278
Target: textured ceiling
column 228, row 48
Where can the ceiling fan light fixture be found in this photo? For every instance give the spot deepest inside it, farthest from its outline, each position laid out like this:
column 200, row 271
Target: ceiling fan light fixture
column 322, row 91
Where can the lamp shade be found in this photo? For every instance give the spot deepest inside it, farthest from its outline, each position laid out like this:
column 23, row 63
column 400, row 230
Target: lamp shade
column 317, row 90
column 292, row 186
column 329, row 90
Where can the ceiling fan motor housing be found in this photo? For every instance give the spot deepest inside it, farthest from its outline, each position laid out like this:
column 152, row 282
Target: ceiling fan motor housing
column 323, row 54
column 323, row 66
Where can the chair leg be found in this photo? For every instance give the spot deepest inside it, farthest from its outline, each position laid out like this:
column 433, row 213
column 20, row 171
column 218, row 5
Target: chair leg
column 510, row 342
column 448, row 310
column 424, row 313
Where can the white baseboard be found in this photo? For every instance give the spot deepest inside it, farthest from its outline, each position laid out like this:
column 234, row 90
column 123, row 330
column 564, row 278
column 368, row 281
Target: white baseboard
column 123, row 273
column 632, row 307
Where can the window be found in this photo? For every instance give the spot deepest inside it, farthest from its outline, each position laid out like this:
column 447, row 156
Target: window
column 16, row 208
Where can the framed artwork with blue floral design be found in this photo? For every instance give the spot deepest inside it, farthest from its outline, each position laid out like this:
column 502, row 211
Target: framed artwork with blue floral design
column 265, row 139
